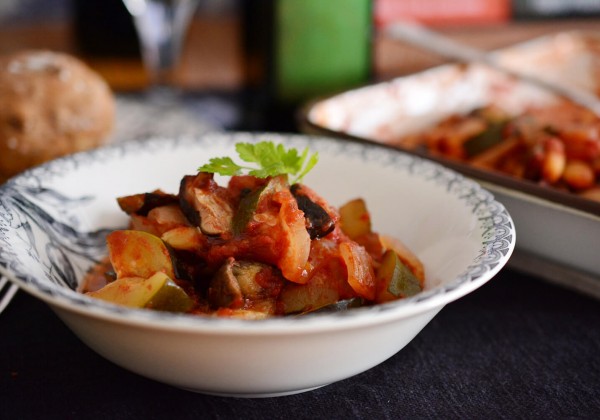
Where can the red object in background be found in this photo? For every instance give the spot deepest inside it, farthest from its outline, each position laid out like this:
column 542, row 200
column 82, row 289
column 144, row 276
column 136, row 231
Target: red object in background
column 442, row 12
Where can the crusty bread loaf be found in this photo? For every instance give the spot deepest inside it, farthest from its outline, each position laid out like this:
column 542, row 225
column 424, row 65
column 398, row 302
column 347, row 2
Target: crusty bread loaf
column 51, row 104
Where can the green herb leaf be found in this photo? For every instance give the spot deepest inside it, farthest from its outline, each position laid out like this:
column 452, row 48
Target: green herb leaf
column 312, row 161
column 247, row 152
column 222, row 165
column 268, row 159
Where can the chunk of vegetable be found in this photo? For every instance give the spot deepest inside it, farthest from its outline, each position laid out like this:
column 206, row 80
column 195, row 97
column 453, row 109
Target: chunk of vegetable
column 203, row 203
column 394, row 279
column 361, row 276
column 142, row 203
column 159, row 220
column 405, row 254
column 355, row 219
column 245, row 285
column 138, row 254
column 225, row 290
column 320, row 291
column 156, row 292
column 249, row 205
column 295, row 241
column 491, row 136
column 186, row 238
column 318, row 222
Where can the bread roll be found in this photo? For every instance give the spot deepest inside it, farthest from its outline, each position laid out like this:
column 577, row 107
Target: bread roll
column 51, row 104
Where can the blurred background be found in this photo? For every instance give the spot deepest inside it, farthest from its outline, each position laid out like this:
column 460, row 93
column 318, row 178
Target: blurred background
column 216, row 52
column 102, row 33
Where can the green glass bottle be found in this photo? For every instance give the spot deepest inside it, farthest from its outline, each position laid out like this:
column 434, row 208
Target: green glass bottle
column 297, row 50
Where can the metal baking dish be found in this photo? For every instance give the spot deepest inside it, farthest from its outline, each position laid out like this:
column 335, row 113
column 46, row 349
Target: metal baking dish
column 558, row 232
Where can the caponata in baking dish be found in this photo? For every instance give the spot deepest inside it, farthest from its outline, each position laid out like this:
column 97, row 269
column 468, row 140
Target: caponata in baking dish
column 262, row 245
column 556, row 145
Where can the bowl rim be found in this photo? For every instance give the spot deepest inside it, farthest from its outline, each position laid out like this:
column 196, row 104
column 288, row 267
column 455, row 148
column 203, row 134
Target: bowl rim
column 474, row 276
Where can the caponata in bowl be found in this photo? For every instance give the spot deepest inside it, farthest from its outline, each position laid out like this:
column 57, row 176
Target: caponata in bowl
column 261, row 245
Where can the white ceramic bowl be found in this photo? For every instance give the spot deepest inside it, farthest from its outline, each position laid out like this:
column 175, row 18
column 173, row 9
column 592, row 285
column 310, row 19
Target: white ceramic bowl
column 53, row 220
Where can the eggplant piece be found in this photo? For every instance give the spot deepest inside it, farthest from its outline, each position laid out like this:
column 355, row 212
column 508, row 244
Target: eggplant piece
column 141, row 204
column 186, row 199
column 318, row 222
column 245, row 284
column 203, row 206
column 110, row 276
column 224, row 290
column 189, row 267
column 246, row 273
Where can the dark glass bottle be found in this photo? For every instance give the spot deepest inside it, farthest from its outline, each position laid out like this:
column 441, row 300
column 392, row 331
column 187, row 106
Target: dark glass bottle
column 104, row 28
column 297, row 50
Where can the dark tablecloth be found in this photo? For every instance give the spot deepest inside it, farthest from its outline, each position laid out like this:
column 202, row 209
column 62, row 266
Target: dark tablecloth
column 516, row 348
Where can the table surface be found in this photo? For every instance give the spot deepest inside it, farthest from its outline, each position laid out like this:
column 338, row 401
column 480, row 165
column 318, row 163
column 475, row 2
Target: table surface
column 518, row 347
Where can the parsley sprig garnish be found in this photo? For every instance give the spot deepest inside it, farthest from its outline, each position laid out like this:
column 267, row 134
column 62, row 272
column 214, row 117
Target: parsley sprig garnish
column 268, row 158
